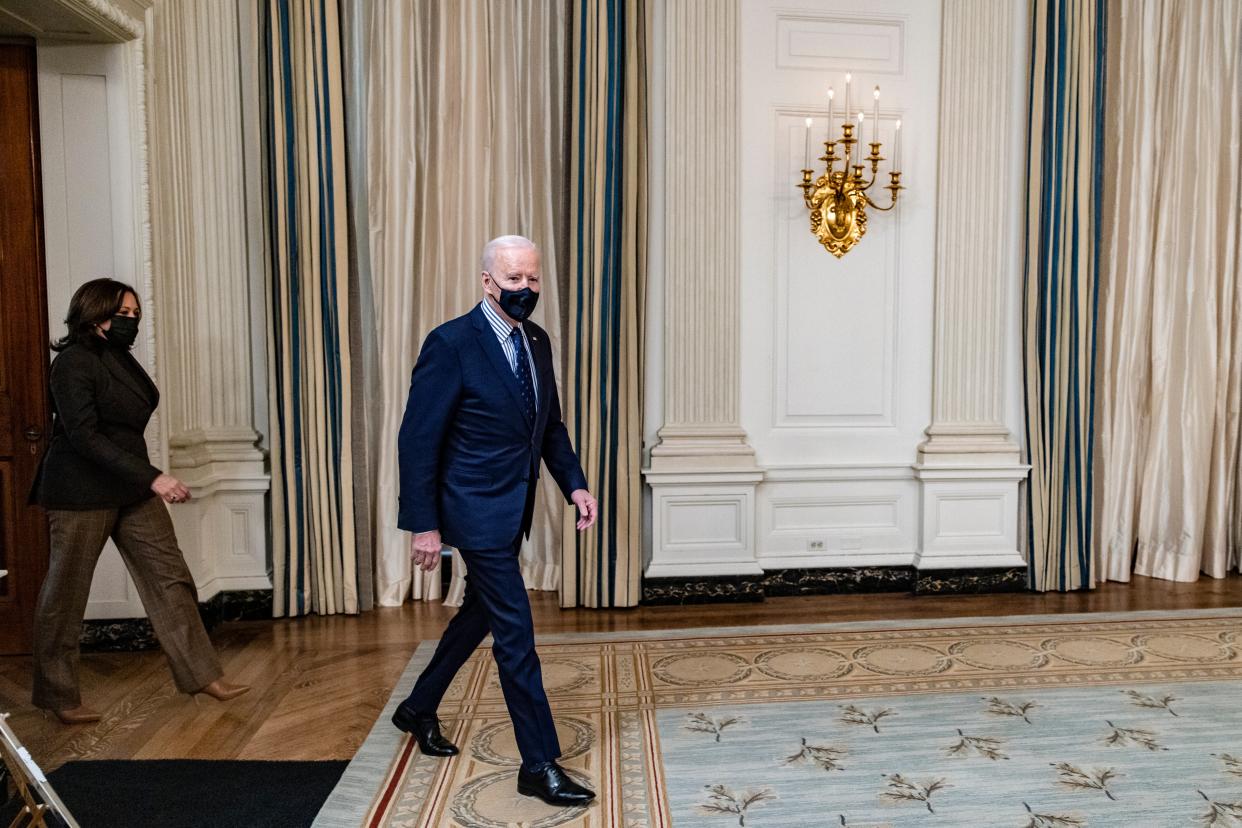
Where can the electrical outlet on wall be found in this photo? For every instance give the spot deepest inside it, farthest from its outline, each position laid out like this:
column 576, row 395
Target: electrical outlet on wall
column 816, row 546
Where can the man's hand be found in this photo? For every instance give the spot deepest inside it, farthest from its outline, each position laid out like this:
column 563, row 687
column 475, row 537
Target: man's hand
column 588, row 508
column 425, row 549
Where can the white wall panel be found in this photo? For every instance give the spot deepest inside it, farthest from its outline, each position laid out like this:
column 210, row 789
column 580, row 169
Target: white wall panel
column 837, row 517
column 836, row 352
column 835, row 322
column 836, row 371
column 847, row 460
column 707, row 528
column 809, row 39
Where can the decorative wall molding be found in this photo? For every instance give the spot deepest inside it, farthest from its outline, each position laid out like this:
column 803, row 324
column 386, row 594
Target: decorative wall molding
column 156, row 434
column 841, row 514
column 702, row 255
column 702, row 473
column 970, row 517
column 203, row 241
column 828, row 42
column 970, row 465
column 703, row 524
column 91, row 21
column 203, row 250
column 107, row 15
column 977, row 262
column 811, row 337
column 837, row 517
column 838, row 471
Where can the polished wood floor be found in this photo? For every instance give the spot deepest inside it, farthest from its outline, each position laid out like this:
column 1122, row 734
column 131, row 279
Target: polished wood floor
column 320, row 682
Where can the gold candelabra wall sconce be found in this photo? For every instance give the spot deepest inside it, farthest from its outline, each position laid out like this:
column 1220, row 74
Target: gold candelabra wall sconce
column 838, row 199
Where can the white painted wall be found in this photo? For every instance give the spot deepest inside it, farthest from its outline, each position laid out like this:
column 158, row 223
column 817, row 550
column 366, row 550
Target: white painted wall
column 837, row 357
column 90, row 230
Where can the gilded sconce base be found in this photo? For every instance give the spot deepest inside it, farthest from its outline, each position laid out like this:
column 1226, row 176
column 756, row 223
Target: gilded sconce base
column 838, row 215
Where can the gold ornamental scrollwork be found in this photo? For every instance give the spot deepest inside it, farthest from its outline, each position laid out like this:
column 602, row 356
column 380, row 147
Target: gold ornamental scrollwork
column 838, row 214
column 838, row 199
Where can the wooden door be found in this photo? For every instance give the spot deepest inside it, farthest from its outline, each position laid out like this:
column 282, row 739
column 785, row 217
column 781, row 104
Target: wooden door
column 24, row 425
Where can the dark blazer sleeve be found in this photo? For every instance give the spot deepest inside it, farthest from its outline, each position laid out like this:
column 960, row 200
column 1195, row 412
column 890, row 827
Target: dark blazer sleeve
column 557, row 451
column 74, row 384
column 435, row 387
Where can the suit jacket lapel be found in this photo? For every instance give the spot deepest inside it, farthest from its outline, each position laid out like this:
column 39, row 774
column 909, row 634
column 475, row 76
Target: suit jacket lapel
column 147, row 392
column 496, row 356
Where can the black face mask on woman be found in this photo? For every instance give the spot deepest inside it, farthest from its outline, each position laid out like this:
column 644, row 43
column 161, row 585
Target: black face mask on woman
column 123, row 331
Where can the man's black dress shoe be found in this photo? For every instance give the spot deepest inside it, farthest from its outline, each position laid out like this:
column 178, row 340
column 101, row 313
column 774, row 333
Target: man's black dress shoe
column 549, row 782
column 426, row 730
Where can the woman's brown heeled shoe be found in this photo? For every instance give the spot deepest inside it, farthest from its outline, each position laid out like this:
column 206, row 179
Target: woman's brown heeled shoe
column 77, row 715
column 221, row 690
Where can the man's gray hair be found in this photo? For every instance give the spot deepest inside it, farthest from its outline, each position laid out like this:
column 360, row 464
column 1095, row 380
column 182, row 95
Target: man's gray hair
column 504, row 243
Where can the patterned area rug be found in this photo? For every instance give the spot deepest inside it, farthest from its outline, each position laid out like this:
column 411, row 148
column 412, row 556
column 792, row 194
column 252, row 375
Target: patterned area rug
column 1033, row 722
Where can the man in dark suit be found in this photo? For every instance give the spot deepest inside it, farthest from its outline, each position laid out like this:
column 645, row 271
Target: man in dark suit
column 482, row 412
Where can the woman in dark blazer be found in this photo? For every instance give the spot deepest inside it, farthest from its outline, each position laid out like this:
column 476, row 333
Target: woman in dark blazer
column 96, row 481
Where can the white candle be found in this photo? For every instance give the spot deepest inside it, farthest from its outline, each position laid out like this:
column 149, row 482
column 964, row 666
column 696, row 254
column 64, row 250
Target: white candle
column 806, row 162
column 848, row 77
column 830, row 95
column 861, row 154
column 875, row 118
column 897, row 147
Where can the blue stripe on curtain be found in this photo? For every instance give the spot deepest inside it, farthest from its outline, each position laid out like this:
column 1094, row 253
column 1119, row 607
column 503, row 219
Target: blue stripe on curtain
column 607, row 252
column 1061, row 274
column 314, row 557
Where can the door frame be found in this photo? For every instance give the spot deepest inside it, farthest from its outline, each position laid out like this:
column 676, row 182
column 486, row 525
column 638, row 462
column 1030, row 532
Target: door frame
column 27, row 533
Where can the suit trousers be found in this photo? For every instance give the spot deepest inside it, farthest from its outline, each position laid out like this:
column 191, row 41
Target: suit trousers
column 495, row 602
column 144, row 535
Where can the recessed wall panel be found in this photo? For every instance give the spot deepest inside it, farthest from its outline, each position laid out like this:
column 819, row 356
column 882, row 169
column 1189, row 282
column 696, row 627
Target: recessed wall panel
column 837, row 352
column 838, row 522
column 87, row 158
column 811, row 41
column 971, row 516
column 841, row 514
column 837, row 319
column 703, row 522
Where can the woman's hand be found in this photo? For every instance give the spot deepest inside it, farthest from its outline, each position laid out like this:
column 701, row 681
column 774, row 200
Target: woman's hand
column 170, row 489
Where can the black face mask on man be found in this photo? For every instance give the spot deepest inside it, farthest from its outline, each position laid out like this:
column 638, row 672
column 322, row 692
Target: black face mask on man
column 518, row 304
column 123, row 331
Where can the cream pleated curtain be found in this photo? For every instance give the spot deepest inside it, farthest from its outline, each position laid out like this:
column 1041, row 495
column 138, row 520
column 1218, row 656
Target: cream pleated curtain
column 1171, row 305
column 466, row 126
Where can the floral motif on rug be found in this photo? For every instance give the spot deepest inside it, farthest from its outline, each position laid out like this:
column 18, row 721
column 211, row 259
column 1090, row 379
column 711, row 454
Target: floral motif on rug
column 1049, row 722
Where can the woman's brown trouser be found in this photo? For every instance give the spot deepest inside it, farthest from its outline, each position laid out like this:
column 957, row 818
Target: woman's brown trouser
column 144, row 535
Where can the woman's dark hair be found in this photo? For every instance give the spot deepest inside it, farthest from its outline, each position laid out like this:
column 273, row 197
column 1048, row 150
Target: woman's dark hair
column 94, row 303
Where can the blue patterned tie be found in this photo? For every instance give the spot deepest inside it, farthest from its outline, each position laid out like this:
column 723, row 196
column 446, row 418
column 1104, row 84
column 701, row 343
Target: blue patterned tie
column 522, row 371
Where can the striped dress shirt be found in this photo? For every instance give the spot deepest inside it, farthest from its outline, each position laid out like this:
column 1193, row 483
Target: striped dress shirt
column 503, row 331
